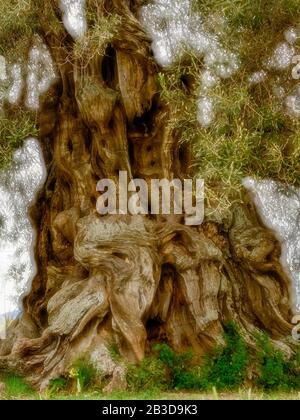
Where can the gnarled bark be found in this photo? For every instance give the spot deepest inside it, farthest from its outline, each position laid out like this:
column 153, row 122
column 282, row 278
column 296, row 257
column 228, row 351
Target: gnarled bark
column 129, row 280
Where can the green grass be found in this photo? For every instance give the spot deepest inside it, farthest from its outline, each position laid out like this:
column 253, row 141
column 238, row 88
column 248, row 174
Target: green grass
column 114, row 352
column 57, row 385
column 16, row 387
column 225, row 369
column 167, row 375
column 241, row 394
column 223, row 373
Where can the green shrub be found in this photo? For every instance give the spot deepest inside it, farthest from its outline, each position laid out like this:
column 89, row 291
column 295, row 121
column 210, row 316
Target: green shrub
column 82, row 376
column 226, row 367
column 58, row 384
column 85, row 374
column 150, row 374
column 114, row 352
column 165, row 370
column 190, row 380
column 275, row 371
column 183, row 374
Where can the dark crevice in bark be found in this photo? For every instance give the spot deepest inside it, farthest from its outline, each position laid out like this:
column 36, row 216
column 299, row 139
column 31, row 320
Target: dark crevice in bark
column 145, row 123
column 109, row 67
